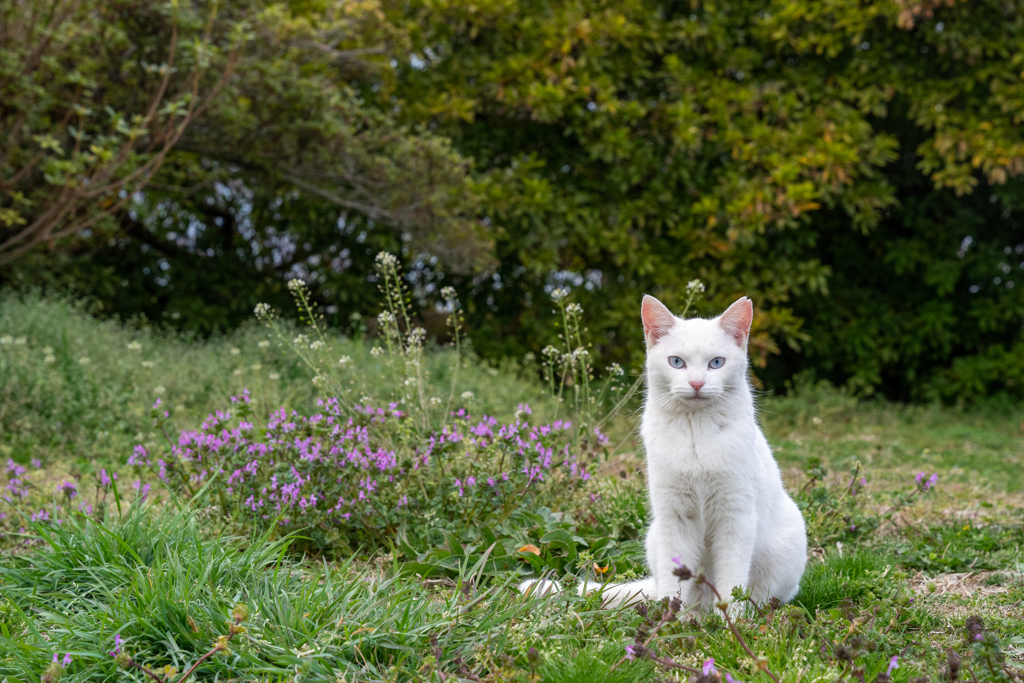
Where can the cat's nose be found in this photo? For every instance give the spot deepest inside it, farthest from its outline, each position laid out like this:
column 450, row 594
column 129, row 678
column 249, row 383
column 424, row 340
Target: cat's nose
column 696, row 384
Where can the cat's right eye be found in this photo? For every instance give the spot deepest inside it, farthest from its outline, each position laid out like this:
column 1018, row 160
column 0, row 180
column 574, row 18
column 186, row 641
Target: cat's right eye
column 676, row 362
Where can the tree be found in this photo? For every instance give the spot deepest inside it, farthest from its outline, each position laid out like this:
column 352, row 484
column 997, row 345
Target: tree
column 287, row 115
column 628, row 147
column 88, row 113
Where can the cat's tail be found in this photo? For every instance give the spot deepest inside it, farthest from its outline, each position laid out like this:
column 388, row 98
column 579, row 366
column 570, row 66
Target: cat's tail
column 612, row 594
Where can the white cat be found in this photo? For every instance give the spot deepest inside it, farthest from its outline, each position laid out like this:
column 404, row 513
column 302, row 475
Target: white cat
column 716, row 492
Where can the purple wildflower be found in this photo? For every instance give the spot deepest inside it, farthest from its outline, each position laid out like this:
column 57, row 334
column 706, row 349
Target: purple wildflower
column 68, row 488
column 709, row 667
column 36, row 463
column 730, row 679
column 117, row 645
column 894, row 663
column 104, row 477
column 631, row 652
column 66, row 661
column 142, row 489
column 139, row 456
column 932, row 481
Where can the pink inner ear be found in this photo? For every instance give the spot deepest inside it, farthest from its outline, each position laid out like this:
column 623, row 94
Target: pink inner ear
column 736, row 320
column 658, row 320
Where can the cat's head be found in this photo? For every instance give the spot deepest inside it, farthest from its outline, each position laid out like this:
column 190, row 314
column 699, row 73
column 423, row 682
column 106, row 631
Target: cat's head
column 696, row 362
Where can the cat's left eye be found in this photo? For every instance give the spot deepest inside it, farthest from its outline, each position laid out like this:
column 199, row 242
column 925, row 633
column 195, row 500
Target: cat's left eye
column 716, row 363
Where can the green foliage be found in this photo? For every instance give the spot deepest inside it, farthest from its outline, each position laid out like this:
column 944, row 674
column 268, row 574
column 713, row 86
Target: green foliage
column 82, row 130
column 289, row 138
column 853, row 575
column 957, row 549
column 815, row 156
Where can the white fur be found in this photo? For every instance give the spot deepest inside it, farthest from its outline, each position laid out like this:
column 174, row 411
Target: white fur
column 716, row 493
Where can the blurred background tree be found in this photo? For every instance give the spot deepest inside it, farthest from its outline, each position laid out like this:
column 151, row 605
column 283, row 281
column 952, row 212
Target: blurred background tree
column 854, row 168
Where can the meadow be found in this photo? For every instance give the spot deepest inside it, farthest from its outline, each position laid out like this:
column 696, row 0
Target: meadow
column 136, row 544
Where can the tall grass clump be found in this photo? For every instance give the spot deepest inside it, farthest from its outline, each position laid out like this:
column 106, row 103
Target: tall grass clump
column 157, row 592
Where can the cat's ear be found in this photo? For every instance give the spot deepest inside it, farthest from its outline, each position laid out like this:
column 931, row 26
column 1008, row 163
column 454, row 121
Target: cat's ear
column 736, row 320
column 658, row 320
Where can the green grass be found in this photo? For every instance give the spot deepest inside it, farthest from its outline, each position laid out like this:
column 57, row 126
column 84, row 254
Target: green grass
column 166, row 575
column 90, row 404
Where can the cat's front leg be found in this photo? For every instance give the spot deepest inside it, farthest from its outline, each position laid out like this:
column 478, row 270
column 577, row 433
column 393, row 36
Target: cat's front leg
column 732, row 551
column 669, row 546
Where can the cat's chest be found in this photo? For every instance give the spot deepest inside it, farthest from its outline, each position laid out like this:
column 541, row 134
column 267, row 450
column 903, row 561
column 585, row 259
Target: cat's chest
column 697, row 447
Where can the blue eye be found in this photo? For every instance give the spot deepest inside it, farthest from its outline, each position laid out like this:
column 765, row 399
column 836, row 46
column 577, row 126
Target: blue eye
column 716, row 363
column 676, row 362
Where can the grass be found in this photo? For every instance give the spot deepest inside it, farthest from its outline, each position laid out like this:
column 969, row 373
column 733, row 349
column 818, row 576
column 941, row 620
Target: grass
column 89, row 404
column 165, row 574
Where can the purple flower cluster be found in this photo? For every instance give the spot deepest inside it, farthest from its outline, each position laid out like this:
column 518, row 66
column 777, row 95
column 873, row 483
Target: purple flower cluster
column 16, row 483
column 367, row 468
column 926, row 484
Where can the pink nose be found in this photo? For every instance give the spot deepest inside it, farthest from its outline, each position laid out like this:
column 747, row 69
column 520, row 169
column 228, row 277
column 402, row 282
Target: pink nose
column 696, row 384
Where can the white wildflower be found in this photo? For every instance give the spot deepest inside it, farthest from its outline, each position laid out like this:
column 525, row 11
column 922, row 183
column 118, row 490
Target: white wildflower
column 376, row 351
column 694, row 285
column 263, row 344
column 147, row 363
column 344, row 360
column 301, row 340
column 235, row 351
column 417, row 336
column 257, row 366
column 550, row 351
column 296, row 285
column 274, row 376
column 408, row 381
column 468, row 396
column 134, row 346
column 159, row 390
column 319, row 380
column 448, row 293
column 317, row 345
column 84, row 360
column 237, row 372
column 386, row 260
column 615, row 369
column 435, row 401
column 574, row 309
column 6, row 339
column 385, row 319
column 49, row 358
column 559, row 294
column 262, row 310
column 580, row 352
